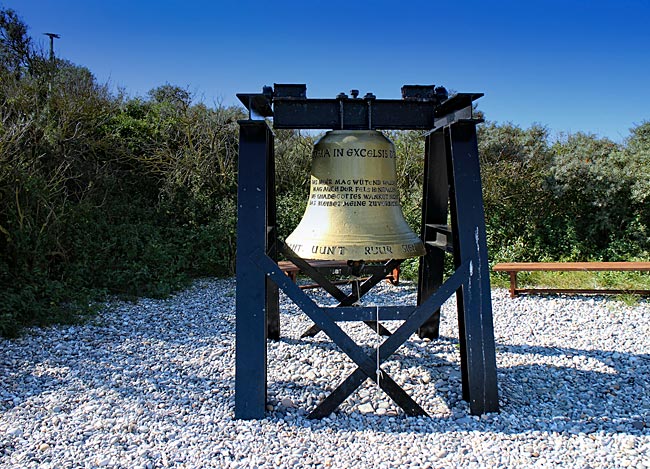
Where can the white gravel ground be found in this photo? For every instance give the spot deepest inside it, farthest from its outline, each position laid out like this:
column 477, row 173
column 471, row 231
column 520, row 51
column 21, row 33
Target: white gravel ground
column 151, row 384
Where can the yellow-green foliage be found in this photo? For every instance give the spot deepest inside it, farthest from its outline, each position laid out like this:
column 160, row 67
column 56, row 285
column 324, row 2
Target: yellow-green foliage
column 105, row 193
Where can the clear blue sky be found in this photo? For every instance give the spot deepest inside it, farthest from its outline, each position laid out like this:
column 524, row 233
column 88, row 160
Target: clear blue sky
column 581, row 65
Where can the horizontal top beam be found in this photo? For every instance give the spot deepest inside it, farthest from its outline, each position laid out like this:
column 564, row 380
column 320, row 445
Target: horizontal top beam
column 420, row 109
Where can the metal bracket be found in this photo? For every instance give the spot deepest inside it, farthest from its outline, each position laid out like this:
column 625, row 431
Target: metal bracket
column 345, row 300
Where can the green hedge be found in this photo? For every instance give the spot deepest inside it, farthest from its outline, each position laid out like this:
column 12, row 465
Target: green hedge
column 103, row 193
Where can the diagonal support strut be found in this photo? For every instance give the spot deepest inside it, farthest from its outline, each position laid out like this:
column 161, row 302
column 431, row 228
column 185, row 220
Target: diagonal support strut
column 338, row 336
column 390, row 345
column 366, row 364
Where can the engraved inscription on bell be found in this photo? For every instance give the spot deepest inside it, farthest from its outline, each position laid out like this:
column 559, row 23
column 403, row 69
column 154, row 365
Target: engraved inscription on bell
column 353, row 212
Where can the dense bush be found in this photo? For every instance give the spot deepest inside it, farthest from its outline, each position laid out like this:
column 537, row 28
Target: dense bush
column 514, row 166
column 578, row 198
column 103, row 193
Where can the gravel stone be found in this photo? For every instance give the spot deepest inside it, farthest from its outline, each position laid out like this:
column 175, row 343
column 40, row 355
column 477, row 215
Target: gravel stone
column 150, row 384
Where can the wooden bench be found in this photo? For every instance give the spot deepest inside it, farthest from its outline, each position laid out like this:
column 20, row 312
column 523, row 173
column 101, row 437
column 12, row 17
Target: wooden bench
column 333, row 268
column 514, row 267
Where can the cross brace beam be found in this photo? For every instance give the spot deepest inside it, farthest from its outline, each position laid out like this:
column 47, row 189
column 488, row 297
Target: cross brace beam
column 367, row 366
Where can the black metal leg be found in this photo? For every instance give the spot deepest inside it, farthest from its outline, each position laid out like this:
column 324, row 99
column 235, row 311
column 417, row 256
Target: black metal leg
column 251, row 298
column 460, row 308
column 272, row 293
column 435, row 196
column 272, row 311
column 475, row 322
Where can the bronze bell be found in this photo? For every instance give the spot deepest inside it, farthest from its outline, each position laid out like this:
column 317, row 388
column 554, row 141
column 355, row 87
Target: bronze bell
column 353, row 212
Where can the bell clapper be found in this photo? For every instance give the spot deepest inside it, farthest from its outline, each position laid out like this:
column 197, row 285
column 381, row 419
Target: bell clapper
column 356, row 267
column 378, row 369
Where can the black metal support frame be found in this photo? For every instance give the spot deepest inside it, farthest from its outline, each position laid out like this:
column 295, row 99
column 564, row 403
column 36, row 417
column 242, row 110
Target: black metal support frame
column 452, row 185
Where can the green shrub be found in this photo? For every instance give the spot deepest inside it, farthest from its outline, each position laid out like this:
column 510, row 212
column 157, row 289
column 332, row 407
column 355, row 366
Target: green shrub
column 101, row 193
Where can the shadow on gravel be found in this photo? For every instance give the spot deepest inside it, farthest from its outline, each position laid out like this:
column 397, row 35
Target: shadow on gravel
column 566, row 390
column 562, row 390
column 558, row 390
column 177, row 379
column 554, row 389
column 179, row 363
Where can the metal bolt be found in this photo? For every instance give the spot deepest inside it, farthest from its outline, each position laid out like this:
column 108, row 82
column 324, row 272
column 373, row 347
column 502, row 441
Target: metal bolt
column 370, row 96
column 354, row 93
column 341, row 96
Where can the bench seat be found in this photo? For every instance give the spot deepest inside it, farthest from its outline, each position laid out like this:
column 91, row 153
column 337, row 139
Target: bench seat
column 514, row 267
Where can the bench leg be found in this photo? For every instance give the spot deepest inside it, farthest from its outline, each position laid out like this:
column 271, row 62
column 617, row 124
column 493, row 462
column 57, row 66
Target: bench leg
column 513, row 284
column 393, row 277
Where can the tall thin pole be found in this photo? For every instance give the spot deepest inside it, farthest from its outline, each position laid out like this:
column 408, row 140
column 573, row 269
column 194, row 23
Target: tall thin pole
column 52, row 36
